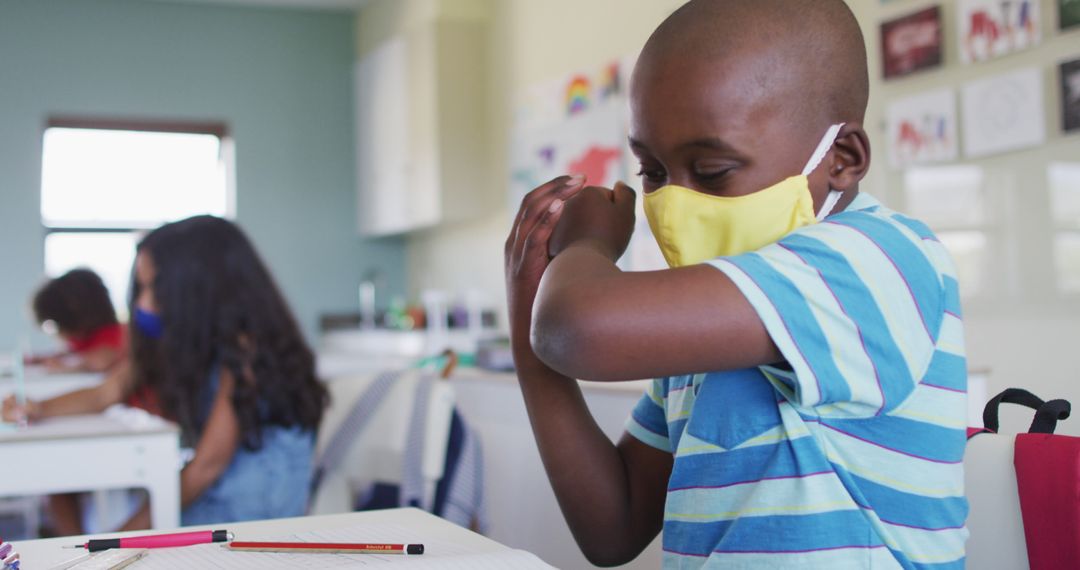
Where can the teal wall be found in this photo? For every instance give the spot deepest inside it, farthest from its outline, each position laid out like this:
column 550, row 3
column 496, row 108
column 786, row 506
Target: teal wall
column 281, row 79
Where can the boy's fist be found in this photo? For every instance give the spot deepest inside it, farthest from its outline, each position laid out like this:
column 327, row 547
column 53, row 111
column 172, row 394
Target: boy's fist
column 604, row 217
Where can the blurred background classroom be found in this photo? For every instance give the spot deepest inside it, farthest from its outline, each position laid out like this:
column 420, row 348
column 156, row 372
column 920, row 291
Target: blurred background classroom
column 374, row 151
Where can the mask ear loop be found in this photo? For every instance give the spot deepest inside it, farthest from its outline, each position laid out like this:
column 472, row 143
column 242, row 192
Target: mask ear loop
column 830, row 203
column 822, row 148
column 815, row 161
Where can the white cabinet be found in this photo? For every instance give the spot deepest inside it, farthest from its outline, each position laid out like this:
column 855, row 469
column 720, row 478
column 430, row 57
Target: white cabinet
column 421, row 120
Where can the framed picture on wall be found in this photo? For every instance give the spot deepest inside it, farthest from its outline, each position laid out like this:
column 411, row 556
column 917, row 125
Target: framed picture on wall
column 993, row 28
column 1003, row 113
column 911, row 43
column 922, row 128
column 1070, row 95
column 1068, row 14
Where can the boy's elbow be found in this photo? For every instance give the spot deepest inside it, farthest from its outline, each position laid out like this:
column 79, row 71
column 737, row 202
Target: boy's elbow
column 607, row 557
column 552, row 339
column 605, row 552
column 560, row 338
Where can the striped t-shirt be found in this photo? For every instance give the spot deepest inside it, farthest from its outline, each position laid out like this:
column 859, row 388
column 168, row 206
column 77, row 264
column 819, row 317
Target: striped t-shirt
column 849, row 454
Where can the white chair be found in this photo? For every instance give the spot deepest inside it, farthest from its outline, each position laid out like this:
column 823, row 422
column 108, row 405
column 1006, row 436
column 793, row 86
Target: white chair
column 996, row 526
column 376, row 452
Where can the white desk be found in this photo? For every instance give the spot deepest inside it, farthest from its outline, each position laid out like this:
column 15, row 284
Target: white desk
column 123, row 448
column 44, row 554
column 41, row 385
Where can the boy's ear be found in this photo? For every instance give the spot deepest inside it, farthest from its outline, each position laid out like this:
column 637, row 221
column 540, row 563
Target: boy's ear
column 850, row 158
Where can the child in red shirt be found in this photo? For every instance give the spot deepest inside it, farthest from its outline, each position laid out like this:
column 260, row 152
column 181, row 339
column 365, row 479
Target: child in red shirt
column 78, row 307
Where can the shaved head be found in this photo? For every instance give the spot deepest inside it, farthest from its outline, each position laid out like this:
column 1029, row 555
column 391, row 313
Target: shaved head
column 810, row 52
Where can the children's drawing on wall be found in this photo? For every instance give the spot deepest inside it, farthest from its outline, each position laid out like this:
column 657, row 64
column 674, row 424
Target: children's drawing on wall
column 922, row 129
column 579, row 125
column 911, row 43
column 1070, row 95
column 993, row 28
column 1068, row 13
column 1002, row 113
column 573, row 125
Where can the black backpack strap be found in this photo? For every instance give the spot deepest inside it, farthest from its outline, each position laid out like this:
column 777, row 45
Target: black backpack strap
column 1047, row 414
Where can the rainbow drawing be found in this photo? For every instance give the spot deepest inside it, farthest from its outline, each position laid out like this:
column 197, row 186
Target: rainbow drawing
column 577, row 95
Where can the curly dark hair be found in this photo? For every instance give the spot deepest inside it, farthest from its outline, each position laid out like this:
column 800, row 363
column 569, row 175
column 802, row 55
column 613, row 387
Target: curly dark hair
column 77, row 301
column 221, row 308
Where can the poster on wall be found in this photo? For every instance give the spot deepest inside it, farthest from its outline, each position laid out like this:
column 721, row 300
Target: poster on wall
column 1004, row 112
column 579, row 125
column 922, row 128
column 911, row 43
column 993, row 28
column 1070, row 96
column 572, row 125
column 1068, row 13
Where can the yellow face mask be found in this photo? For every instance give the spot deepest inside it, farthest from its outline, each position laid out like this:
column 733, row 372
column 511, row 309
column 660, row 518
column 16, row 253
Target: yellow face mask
column 692, row 227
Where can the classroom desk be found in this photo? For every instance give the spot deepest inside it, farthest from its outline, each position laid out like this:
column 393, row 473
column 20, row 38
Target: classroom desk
column 122, row 448
column 47, row 553
column 42, row 385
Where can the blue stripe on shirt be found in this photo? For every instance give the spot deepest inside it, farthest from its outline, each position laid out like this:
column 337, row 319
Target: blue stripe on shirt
column 947, row 371
column 911, row 262
column 651, row 417
column 801, row 324
column 909, row 509
column 952, row 296
column 910, row 437
column 766, row 534
column 896, row 378
column 791, row 458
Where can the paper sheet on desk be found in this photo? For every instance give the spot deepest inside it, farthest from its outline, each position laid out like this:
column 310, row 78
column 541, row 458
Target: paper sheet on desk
column 437, row 554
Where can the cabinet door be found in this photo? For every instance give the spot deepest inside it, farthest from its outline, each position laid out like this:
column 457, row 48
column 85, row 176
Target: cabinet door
column 382, row 140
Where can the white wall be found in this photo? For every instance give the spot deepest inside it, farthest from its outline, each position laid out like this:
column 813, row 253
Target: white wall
column 1037, row 352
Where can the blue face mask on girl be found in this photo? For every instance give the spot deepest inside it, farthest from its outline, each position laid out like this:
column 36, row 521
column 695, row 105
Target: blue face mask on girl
column 149, row 323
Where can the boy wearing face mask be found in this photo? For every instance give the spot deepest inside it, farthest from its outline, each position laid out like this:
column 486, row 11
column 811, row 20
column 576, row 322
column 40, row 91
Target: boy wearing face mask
column 810, row 405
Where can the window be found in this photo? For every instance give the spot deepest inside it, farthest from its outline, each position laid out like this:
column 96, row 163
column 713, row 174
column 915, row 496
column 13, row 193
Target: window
column 1064, row 181
column 952, row 200
column 105, row 183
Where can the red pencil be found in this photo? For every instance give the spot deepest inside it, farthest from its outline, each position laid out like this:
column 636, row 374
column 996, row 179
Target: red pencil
column 327, row 547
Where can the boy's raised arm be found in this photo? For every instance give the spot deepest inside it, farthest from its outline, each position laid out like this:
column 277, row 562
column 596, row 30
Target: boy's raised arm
column 595, row 322
column 612, row 496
